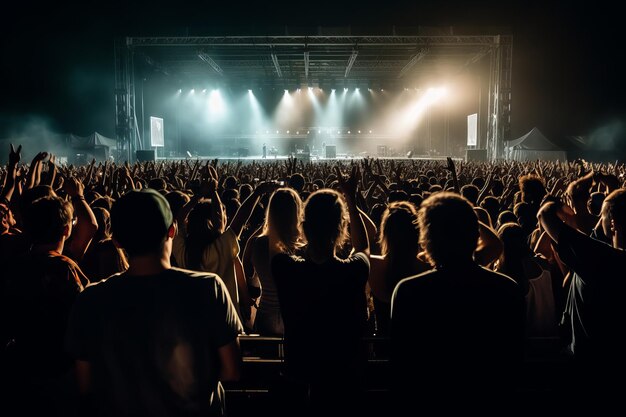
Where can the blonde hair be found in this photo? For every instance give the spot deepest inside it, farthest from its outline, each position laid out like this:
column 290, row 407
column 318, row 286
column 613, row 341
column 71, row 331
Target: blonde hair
column 283, row 216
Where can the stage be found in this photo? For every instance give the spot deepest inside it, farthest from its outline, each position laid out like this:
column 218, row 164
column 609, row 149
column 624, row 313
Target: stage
column 304, row 157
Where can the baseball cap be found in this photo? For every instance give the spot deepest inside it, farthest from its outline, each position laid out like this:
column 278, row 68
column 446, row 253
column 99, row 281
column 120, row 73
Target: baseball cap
column 140, row 220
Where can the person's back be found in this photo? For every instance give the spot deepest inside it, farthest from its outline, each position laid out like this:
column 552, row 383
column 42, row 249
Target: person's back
column 454, row 322
column 325, row 313
column 153, row 340
column 458, row 322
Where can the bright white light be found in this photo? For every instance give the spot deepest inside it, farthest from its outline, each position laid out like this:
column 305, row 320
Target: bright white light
column 287, row 132
column 286, row 100
column 267, row 132
column 204, row 91
column 357, row 89
column 345, row 89
column 370, row 131
column 339, row 131
column 297, row 132
column 434, row 94
column 193, row 90
column 216, row 103
column 332, row 91
column 180, row 90
column 349, row 132
column 307, row 132
column 277, row 131
column 359, row 131
column 310, row 88
column 320, row 131
column 249, row 91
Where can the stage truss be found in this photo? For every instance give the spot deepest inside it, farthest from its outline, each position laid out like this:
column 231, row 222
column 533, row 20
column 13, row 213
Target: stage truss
column 294, row 61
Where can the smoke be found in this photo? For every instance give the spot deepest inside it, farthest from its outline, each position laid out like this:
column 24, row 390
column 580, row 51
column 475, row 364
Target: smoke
column 36, row 133
column 609, row 137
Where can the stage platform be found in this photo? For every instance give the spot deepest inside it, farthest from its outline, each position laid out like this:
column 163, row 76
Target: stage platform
column 314, row 159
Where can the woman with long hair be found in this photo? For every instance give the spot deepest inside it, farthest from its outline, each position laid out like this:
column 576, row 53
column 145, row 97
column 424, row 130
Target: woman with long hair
column 205, row 243
column 323, row 300
column 399, row 243
column 283, row 228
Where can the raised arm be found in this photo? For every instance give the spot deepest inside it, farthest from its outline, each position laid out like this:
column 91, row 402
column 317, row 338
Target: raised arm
column 245, row 210
column 86, row 225
column 490, row 246
column 358, row 233
column 9, row 183
column 450, row 167
column 552, row 217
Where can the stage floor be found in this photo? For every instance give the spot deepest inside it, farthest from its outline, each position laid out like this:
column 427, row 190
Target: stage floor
column 340, row 157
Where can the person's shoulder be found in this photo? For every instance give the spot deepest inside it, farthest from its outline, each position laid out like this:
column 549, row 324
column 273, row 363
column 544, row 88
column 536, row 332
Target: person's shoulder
column 105, row 283
column 191, row 276
column 498, row 280
column 259, row 242
column 417, row 280
column 188, row 273
column 287, row 258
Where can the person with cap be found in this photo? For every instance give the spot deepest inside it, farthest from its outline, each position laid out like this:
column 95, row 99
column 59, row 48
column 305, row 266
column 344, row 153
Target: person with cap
column 153, row 340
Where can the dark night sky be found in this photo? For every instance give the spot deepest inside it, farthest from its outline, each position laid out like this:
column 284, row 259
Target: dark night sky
column 57, row 60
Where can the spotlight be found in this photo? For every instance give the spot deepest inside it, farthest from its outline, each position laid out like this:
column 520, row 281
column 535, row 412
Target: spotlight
column 193, row 90
column 349, row 132
column 359, row 131
column 287, row 132
column 345, row 89
column 278, row 131
column 204, row 91
column 338, row 132
column 180, row 90
column 382, row 89
column 297, row 132
column 370, row 131
column 249, row 91
column 286, row 91
column 320, row 131
column 307, row 132
column 357, row 89
column 332, row 91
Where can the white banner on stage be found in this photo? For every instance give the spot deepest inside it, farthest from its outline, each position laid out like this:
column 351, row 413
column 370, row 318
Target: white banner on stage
column 156, row 132
column 472, row 129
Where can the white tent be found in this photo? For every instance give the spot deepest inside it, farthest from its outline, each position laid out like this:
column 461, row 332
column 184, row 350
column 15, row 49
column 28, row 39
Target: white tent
column 532, row 146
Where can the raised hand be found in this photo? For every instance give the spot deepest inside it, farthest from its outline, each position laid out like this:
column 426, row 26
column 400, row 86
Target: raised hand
column 450, row 166
column 15, row 155
column 348, row 186
column 74, row 187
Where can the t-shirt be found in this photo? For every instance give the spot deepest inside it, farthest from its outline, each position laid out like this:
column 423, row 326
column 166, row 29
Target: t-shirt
column 153, row 341
column 595, row 298
column 452, row 327
column 324, row 310
column 218, row 258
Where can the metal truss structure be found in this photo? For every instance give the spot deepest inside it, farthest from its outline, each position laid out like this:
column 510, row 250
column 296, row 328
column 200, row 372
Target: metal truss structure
column 293, row 61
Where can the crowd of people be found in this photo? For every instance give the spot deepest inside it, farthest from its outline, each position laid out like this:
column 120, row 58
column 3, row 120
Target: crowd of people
column 125, row 286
